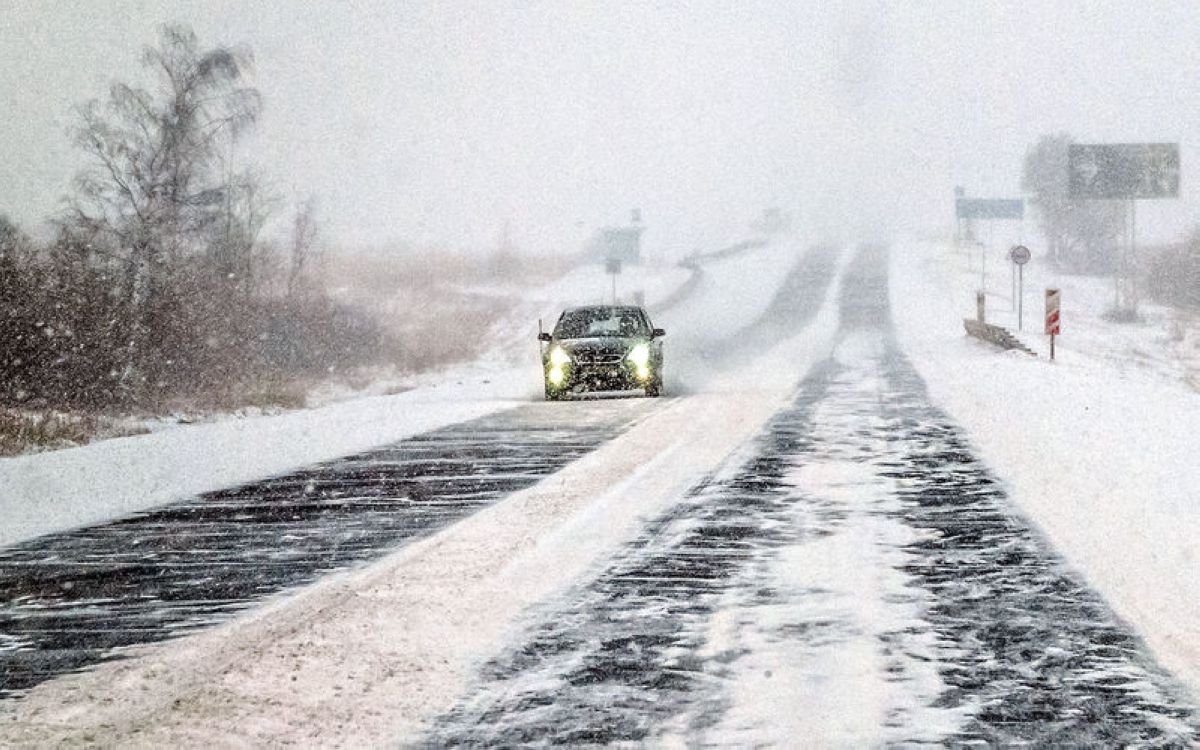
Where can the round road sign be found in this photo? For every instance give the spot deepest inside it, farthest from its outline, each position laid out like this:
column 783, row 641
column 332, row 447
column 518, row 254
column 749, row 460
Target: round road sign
column 1020, row 255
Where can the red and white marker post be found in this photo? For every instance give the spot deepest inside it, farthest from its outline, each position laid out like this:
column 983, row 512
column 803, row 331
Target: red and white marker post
column 1053, row 324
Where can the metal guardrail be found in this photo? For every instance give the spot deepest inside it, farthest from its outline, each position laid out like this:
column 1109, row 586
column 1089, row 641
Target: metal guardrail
column 997, row 335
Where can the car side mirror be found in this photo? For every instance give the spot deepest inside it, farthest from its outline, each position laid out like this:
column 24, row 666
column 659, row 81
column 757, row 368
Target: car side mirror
column 657, row 332
column 543, row 336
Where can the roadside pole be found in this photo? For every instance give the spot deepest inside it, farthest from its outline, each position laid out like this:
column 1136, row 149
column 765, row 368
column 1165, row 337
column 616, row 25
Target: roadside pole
column 613, row 266
column 1021, row 297
column 1020, row 255
column 1133, row 259
column 982, row 266
column 990, row 225
column 1013, row 293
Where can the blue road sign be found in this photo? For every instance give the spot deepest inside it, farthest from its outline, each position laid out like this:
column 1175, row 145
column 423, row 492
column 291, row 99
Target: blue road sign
column 989, row 208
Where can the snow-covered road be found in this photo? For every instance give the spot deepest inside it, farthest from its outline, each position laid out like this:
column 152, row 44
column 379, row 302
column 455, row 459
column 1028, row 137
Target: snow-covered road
column 858, row 579
column 799, row 547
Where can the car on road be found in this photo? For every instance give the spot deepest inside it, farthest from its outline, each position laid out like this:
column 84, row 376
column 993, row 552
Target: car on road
column 602, row 348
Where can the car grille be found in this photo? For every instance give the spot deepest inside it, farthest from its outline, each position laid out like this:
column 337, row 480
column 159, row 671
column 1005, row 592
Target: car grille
column 598, row 359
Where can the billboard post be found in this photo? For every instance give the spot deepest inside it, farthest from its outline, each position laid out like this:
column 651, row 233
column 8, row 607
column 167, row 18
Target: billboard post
column 613, row 267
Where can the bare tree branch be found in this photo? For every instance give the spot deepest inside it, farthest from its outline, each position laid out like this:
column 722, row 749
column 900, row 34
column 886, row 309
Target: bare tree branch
column 152, row 191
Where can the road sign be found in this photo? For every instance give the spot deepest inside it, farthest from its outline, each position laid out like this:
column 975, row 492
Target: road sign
column 989, row 208
column 1123, row 171
column 1020, row 255
column 1053, row 322
column 619, row 243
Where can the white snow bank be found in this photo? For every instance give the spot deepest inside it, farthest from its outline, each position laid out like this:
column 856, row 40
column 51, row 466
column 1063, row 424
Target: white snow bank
column 50, row 492
column 1102, row 454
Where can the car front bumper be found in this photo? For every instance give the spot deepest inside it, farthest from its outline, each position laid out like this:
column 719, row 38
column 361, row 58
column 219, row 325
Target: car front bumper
column 583, row 377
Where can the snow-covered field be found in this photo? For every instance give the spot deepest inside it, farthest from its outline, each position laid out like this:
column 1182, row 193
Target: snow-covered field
column 1100, row 447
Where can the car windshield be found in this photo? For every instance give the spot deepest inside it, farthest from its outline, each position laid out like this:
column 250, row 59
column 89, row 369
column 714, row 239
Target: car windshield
column 594, row 322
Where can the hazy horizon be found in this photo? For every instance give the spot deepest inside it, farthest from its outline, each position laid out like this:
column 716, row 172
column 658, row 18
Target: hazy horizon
column 440, row 124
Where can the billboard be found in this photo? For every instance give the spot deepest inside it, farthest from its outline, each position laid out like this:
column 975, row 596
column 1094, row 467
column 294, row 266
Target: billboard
column 618, row 243
column 1123, row 171
column 989, row 208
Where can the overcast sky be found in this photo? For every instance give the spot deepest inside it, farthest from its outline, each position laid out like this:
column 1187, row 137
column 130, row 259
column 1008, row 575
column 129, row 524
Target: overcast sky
column 440, row 122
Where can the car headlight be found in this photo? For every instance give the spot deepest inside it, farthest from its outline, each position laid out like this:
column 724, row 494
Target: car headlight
column 639, row 355
column 558, row 357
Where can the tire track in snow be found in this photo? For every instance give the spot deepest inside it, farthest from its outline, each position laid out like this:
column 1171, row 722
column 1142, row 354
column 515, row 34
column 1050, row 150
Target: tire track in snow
column 859, row 561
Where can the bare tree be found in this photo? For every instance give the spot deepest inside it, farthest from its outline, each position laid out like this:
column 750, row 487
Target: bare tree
column 19, row 301
column 237, row 257
column 1082, row 235
column 152, row 192
column 16, row 248
column 304, row 250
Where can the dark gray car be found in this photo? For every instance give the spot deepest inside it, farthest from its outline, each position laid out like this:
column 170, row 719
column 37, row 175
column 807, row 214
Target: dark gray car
column 602, row 348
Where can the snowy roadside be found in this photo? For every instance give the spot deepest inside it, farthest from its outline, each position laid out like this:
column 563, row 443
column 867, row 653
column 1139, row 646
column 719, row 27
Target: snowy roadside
column 1157, row 347
column 49, row 492
column 69, row 488
column 1099, row 453
column 371, row 656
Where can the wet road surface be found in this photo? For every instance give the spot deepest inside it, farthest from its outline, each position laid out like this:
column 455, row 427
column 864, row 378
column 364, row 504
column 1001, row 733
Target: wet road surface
column 855, row 577
column 71, row 600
